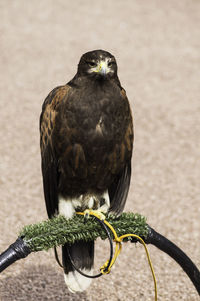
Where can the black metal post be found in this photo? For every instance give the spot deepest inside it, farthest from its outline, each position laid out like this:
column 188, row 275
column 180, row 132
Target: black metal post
column 15, row 251
column 177, row 254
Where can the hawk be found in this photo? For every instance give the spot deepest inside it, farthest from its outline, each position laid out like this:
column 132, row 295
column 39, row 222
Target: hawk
column 86, row 139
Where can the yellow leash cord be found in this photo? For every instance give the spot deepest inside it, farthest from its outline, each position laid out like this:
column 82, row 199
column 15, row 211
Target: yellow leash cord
column 105, row 269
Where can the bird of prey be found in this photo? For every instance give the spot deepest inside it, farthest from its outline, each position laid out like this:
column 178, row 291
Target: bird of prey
column 86, row 139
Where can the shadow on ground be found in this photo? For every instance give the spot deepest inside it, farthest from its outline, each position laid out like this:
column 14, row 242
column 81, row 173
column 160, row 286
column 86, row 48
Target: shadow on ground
column 37, row 283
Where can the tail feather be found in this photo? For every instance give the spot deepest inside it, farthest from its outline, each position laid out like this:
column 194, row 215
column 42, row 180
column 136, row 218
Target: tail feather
column 82, row 254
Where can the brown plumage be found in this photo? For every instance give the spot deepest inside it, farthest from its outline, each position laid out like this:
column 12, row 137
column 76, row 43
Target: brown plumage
column 86, row 145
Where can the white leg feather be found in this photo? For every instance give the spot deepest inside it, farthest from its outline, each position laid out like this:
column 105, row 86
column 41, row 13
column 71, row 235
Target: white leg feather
column 104, row 208
column 65, row 207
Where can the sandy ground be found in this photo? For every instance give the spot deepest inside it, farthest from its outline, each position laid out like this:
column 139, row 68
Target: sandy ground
column 157, row 45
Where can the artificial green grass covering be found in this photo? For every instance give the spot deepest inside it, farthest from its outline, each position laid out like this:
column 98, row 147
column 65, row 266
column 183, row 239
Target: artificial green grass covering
column 59, row 230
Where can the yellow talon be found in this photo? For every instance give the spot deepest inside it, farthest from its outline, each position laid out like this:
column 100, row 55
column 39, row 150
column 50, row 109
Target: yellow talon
column 96, row 213
column 86, row 213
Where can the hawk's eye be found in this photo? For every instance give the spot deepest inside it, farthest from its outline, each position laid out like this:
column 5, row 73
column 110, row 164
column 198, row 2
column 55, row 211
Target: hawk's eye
column 92, row 64
column 110, row 64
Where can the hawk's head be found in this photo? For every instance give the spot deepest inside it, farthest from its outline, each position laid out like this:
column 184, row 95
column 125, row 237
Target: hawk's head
column 98, row 63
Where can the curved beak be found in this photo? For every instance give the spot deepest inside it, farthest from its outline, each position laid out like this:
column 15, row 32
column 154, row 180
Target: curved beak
column 102, row 68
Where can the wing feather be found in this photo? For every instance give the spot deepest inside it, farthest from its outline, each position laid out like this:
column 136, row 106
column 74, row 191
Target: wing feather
column 49, row 160
column 118, row 190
